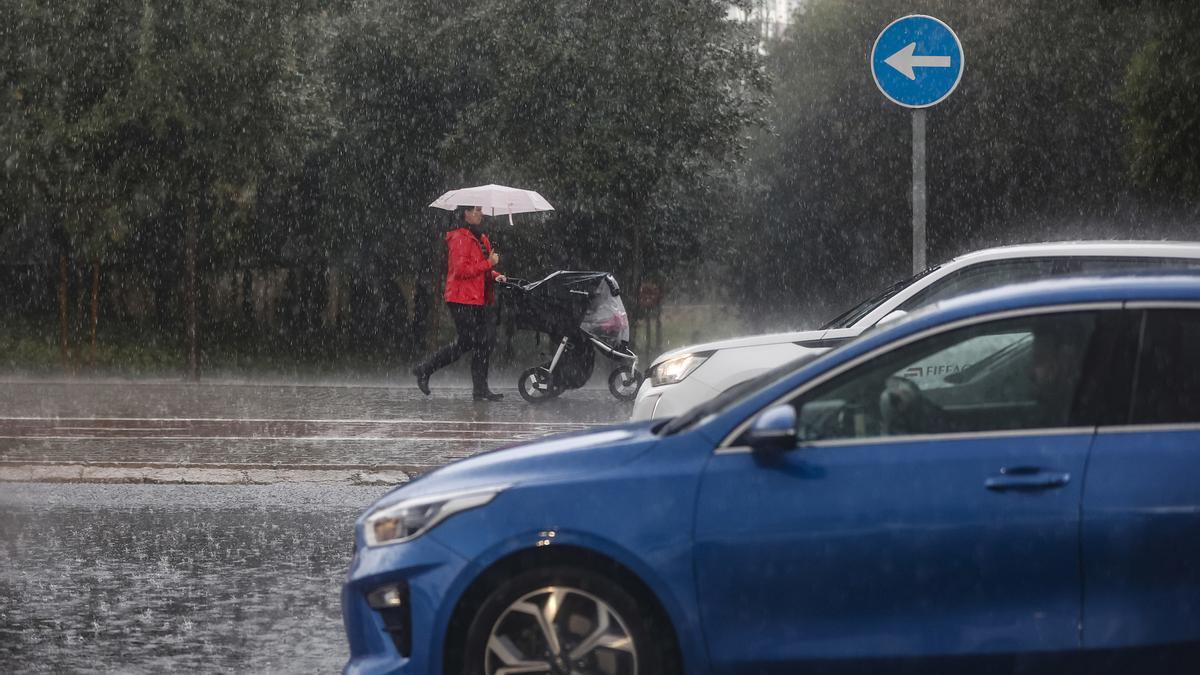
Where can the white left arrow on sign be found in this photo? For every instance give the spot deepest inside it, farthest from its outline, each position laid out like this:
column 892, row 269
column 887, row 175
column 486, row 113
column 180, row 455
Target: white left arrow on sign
column 905, row 60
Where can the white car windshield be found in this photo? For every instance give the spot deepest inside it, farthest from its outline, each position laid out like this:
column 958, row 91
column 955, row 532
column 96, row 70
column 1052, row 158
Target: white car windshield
column 851, row 316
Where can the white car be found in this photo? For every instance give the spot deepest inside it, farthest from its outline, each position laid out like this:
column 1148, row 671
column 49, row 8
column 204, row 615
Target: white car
column 682, row 378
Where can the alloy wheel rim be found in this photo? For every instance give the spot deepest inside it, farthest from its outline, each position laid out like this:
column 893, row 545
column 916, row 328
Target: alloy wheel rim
column 561, row 631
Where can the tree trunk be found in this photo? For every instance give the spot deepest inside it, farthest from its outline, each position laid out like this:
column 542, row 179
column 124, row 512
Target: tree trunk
column 63, row 313
column 437, row 280
column 658, row 338
column 423, row 311
column 95, row 310
column 291, row 312
column 192, row 319
column 634, row 306
column 329, row 312
column 247, row 329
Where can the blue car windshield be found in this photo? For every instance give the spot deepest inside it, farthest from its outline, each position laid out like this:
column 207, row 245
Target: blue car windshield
column 733, row 395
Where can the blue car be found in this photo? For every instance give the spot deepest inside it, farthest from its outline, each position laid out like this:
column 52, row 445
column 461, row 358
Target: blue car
column 1008, row 482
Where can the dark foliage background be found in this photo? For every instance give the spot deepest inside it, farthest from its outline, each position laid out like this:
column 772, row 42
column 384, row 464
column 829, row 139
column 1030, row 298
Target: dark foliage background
column 239, row 185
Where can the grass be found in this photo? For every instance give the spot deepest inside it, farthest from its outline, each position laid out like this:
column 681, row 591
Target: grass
column 30, row 346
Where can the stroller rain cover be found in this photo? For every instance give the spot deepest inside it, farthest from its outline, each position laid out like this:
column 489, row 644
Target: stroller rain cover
column 606, row 317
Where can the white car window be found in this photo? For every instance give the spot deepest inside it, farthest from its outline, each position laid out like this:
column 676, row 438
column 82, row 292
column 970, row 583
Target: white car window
column 937, row 371
column 988, row 275
column 980, row 277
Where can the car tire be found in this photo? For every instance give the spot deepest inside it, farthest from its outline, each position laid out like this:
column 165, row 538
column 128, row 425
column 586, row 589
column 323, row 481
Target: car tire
column 507, row 630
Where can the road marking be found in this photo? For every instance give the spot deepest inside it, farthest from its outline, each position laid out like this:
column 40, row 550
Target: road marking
column 319, row 439
column 88, row 450
column 273, row 429
column 233, row 475
column 581, row 425
column 119, row 428
column 298, row 466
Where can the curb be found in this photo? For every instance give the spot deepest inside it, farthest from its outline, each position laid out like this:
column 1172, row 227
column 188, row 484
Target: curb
column 232, row 475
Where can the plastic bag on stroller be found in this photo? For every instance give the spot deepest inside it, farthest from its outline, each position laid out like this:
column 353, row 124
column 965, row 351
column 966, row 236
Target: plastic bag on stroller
column 606, row 318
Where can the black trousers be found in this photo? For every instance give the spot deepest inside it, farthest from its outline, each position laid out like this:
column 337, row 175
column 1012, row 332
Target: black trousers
column 476, row 331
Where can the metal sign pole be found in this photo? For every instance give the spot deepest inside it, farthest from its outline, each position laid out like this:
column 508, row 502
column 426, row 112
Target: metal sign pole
column 917, row 61
column 918, row 190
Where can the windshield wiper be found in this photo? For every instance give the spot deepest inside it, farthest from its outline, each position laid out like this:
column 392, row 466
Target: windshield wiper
column 685, row 420
column 850, row 317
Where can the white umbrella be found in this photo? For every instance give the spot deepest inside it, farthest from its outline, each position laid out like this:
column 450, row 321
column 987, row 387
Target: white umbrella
column 494, row 199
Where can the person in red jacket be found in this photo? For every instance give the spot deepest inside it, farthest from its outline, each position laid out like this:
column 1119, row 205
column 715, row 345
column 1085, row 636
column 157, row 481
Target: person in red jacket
column 470, row 277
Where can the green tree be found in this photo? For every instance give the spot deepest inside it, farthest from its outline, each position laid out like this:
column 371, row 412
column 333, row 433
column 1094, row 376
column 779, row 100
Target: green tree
column 398, row 89
column 625, row 116
column 224, row 94
column 1030, row 140
column 137, row 112
column 59, row 64
column 1162, row 93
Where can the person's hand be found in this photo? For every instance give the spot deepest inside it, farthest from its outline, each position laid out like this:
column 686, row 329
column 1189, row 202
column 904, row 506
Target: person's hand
column 494, row 258
column 501, row 278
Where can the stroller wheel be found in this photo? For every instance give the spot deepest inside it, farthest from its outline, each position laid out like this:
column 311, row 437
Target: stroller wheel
column 624, row 382
column 536, row 385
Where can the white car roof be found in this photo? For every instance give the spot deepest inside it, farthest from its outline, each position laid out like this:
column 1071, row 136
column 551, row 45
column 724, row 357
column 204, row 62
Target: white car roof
column 1131, row 249
column 1056, row 249
column 1124, row 249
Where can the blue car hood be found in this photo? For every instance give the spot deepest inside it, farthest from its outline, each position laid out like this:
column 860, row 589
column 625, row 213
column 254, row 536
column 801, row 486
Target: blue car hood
column 581, row 452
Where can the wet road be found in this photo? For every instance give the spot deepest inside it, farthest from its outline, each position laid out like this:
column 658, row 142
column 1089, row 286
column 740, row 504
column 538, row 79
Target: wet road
column 172, row 432
column 167, row 578
column 212, row 577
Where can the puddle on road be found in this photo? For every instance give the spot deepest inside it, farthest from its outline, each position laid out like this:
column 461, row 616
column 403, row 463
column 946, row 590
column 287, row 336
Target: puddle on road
column 156, row 588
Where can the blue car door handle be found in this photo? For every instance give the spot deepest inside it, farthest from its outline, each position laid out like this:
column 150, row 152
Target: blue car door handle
column 1027, row 478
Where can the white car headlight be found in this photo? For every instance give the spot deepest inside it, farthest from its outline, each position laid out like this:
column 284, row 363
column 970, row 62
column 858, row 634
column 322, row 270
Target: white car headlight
column 408, row 519
column 675, row 369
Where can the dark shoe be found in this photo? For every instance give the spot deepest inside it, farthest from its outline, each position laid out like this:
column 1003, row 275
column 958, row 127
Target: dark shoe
column 487, row 396
column 422, row 380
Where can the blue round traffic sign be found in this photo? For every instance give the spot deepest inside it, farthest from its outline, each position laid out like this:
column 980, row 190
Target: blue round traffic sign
column 917, row 61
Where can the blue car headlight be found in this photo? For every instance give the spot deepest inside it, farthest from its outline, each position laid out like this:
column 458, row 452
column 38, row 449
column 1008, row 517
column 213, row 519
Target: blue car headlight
column 410, row 518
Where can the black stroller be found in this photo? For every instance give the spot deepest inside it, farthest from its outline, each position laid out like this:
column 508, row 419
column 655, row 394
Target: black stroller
column 579, row 311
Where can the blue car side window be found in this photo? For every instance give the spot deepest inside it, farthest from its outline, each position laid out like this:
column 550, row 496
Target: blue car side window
column 1167, row 378
column 1009, row 374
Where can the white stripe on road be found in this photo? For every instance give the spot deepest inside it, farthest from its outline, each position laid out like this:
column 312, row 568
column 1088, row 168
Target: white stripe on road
column 317, row 439
column 310, row 421
column 93, row 428
column 79, row 473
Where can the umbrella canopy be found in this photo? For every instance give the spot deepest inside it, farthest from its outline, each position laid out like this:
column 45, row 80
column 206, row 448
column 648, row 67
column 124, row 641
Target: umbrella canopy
column 494, row 200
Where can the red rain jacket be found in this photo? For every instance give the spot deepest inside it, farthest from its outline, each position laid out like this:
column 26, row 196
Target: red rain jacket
column 469, row 275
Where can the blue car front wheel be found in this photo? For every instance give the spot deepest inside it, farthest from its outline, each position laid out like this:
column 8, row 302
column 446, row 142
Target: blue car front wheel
column 561, row 621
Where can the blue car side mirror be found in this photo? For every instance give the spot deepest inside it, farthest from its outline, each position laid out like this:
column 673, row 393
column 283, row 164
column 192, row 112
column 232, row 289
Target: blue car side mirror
column 773, row 430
